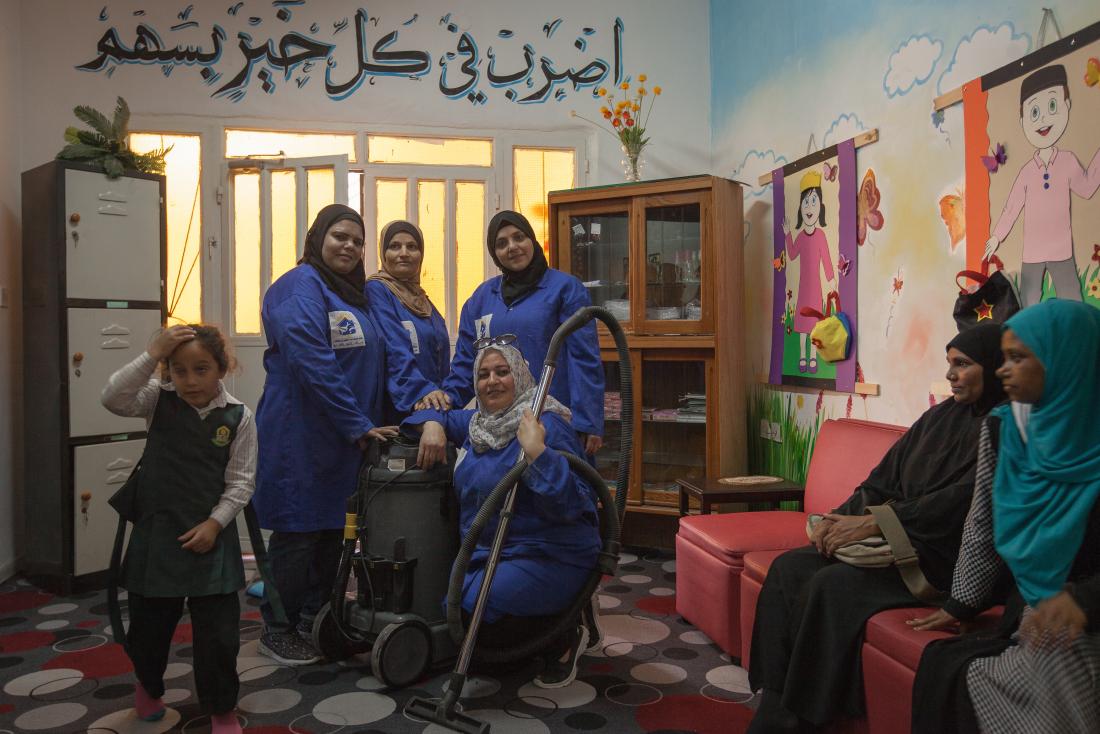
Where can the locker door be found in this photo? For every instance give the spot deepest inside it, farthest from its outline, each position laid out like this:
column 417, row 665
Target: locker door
column 113, row 247
column 100, row 341
column 99, row 470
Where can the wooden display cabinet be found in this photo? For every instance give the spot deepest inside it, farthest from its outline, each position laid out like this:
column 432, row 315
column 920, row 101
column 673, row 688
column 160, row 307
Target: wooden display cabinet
column 665, row 257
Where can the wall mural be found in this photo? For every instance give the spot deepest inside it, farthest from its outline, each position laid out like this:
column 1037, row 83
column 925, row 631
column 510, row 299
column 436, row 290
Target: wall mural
column 1033, row 167
column 347, row 52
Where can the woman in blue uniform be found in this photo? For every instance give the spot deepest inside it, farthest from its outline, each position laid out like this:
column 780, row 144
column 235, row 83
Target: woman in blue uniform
column 531, row 300
column 553, row 538
column 418, row 348
column 322, row 402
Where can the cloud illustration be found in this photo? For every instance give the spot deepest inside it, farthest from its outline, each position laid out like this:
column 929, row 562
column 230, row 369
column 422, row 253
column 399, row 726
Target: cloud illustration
column 984, row 50
column 846, row 126
column 755, row 164
column 911, row 64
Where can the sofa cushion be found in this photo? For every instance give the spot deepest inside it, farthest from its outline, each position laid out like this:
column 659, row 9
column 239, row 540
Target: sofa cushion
column 888, row 632
column 757, row 563
column 845, row 453
column 732, row 535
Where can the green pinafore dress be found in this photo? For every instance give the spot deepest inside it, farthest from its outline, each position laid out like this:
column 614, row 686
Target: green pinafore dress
column 180, row 479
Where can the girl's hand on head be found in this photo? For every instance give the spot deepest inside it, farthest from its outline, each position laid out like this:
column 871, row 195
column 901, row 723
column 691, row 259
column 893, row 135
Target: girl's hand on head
column 202, row 537
column 433, row 445
column 435, row 400
column 166, row 341
column 1058, row 615
column 937, row 620
column 532, row 436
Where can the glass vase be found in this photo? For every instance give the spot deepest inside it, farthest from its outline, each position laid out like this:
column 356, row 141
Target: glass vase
column 632, row 162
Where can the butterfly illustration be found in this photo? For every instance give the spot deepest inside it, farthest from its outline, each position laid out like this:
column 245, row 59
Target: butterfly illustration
column 953, row 214
column 843, row 265
column 937, row 119
column 867, row 213
column 780, row 262
column 1092, row 72
column 829, row 171
column 995, row 161
column 1096, row 253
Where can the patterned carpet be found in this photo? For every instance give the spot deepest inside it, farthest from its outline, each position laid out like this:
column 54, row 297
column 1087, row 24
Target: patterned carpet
column 654, row 674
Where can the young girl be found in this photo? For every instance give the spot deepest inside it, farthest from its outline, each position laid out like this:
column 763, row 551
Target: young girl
column 811, row 249
column 196, row 474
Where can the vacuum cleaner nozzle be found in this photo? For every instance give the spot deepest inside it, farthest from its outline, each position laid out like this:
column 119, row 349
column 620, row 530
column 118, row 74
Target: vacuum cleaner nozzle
column 444, row 713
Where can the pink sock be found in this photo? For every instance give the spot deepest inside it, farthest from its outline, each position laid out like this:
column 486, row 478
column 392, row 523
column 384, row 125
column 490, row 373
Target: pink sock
column 148, row 708
column 225, row 723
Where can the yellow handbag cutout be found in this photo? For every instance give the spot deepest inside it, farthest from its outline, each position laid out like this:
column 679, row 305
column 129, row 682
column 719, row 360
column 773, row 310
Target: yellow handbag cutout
column 833, row 333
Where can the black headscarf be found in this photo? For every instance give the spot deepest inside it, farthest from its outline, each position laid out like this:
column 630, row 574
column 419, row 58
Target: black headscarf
column 982, row 343
column 349, row 287
column 928, row 475
column 514, row 285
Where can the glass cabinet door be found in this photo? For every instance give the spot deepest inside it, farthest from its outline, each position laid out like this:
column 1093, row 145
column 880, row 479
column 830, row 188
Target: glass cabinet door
column 599, row 254
column 607, row 458
column 673, row 442
column 675, row 258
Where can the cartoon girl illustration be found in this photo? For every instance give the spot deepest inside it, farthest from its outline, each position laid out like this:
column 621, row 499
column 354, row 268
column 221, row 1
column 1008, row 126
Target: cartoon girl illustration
column 811, row 249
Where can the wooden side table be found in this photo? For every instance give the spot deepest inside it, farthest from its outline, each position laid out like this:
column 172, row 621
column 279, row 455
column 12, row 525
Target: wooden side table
column 712, row 492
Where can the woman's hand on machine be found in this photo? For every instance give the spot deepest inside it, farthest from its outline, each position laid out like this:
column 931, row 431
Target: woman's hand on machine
column 531, row 435
column 379, row 433
column 435, row 400
column 202, row 537
column 433, row 445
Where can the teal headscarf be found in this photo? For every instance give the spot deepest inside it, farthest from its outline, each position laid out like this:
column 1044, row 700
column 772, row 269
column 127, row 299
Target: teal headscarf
column 1045, row 487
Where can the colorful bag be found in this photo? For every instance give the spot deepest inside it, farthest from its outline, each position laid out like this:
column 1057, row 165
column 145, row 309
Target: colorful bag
column 993, row 299
column 833, row 333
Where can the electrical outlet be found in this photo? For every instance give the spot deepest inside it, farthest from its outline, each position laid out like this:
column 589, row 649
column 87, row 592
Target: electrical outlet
column 776, row 433
column 770, row 431
column 765, row 429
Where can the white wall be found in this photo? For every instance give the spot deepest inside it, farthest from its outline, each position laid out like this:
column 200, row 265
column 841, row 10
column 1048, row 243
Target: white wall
column 10, row 276
column 669, row 42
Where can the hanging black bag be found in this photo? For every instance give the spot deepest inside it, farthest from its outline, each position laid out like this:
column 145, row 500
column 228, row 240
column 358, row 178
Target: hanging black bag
column 994, row 298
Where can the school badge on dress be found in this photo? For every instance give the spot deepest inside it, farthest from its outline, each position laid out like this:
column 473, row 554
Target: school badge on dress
column 222, row 436
column 345, row 331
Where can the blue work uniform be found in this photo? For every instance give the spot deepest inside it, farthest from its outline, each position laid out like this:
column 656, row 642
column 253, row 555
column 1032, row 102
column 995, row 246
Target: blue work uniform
column 325, row 382
column 578, row 382
column 418, row 350
column 553, row 539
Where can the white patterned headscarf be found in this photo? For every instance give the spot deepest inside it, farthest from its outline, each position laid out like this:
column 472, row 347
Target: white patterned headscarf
column 496, row 430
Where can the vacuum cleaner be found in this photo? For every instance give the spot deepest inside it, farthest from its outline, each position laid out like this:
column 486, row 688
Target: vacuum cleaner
column 611, row 511
column 400, row 536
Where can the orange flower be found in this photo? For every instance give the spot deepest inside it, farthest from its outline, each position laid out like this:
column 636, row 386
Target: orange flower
column 641, row 91
column 624, row 85
column 606, row 113
column 635, row 107
column 629, row 122
column 642, row 77
column 617, row 122
column 603, row 91
column 657, row 90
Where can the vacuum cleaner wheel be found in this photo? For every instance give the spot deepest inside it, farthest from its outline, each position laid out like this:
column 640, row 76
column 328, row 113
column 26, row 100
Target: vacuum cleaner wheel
column 402, row 653
column 329, row 641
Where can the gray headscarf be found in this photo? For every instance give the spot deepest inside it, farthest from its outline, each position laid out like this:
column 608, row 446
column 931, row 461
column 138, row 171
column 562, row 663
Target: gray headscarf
column 496, row 430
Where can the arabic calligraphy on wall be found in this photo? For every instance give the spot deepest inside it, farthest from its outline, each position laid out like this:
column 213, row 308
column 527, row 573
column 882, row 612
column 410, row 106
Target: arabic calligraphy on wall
column 351, row 51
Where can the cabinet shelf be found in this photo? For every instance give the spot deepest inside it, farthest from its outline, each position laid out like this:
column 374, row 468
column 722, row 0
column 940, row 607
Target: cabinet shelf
column 665, row 258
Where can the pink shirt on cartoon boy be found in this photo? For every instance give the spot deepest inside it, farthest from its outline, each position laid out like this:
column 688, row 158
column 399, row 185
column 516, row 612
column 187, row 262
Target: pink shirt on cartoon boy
column 812, row 251
column 1043, row 193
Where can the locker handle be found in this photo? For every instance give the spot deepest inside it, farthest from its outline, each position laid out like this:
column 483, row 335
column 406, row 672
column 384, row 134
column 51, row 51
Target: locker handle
column 114, row 330
column 118, row 477
column 115, row 343
column 113, row 210
column 110, row 195
column 120, row 463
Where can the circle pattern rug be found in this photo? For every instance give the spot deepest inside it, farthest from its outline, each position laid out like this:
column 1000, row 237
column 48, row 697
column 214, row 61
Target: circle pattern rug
column 653, row 672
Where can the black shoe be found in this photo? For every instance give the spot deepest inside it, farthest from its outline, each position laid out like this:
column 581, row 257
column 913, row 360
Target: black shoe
column 590, row 618
column 287, row 648
column 560, row 672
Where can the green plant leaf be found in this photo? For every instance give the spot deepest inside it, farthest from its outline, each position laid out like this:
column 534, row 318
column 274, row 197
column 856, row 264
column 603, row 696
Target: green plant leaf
column 87, row 137
column 121, row 121
column 72, row 135
column 94, row 119
column 112, row 165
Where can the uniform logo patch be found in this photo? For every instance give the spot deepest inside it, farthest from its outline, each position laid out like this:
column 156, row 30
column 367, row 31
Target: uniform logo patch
column 345, row 331
column 481, row 326
column 222, row 437
column 413, row 338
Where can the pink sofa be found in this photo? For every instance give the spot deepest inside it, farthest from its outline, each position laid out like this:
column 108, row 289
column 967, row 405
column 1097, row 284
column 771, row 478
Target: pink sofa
column 722, row 560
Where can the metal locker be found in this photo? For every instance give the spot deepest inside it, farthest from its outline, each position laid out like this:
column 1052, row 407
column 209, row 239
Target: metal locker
column 99, row 470
column 112, row 237
column 100, row 341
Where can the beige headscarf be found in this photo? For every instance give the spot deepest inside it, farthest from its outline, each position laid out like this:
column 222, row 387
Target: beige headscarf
column 496, row 430
column 408, row 291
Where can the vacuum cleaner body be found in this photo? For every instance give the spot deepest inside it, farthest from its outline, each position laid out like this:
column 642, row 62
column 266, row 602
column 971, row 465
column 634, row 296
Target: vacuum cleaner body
column 401, row 555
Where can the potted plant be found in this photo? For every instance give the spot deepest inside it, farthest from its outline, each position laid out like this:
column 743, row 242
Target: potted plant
column 106, row 146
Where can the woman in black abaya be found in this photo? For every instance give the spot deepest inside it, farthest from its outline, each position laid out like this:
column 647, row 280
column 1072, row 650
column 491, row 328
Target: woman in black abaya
column 812, row 607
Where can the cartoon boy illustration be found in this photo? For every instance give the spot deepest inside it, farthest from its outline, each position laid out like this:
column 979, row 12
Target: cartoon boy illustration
column 811, row 249
column 1042, row 189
